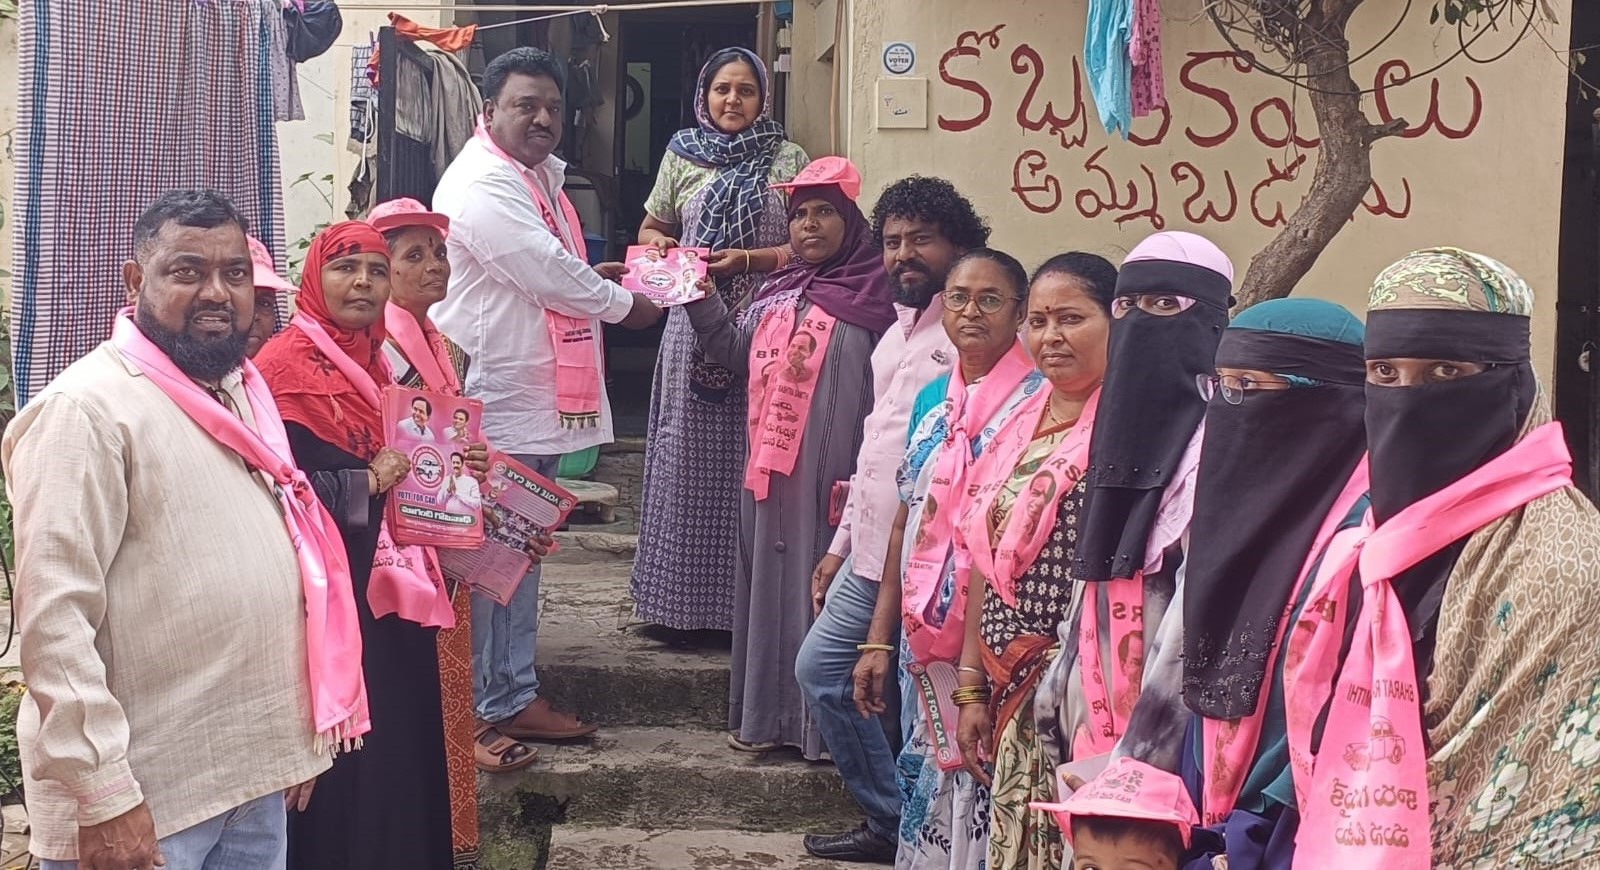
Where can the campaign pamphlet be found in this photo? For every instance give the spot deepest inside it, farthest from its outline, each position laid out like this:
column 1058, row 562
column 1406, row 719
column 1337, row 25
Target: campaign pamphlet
column 668, row 278
column 935, row 681
column 517, row 505
column 440, row 503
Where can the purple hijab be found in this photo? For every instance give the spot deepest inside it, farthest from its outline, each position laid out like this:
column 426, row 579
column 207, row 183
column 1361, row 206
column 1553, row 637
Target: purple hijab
column 850, row 285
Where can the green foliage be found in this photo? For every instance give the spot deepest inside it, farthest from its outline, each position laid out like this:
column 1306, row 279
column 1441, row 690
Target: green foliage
column 297, row 249
column 10, row 760
column 1454, row 12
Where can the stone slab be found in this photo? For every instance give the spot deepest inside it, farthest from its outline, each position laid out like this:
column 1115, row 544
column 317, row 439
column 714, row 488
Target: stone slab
column 627, row 849
column 676, row 778
column 594, row 661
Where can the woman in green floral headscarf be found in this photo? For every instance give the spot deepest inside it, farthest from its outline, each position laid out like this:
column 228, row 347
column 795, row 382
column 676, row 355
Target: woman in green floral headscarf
column 1502, row 620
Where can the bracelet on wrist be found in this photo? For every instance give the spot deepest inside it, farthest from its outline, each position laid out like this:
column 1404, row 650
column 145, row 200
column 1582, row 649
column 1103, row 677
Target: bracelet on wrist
column 970, row 695
column 874, row 647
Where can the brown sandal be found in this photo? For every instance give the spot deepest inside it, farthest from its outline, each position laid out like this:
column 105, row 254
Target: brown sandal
column 494, row 752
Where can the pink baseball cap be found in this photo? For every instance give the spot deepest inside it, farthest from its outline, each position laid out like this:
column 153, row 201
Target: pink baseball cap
column 266, row 273
column 1129, row 789
column 406, row 212
column 824, row 171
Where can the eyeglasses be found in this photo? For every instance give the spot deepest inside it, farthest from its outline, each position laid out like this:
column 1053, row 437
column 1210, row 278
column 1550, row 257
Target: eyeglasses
column 1233, row 387
column 1159, row 304
column 988, row 303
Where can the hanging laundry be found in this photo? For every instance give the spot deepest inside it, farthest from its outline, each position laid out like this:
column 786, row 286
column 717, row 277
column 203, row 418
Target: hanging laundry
column 451, row 39
column 1105, row 52
column 1144, row 50
column 95, row 80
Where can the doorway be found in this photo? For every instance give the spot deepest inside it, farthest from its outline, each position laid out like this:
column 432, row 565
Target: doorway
column 1577, row 365
column 659, row 56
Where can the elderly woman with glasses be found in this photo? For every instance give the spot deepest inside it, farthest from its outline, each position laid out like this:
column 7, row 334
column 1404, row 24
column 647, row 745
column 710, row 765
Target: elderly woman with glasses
column 944, row 813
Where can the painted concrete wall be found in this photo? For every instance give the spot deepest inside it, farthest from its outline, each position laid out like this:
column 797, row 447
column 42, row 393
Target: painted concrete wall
column 1011, row 120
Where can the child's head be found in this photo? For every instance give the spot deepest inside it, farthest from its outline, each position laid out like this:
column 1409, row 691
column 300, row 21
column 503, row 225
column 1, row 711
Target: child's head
column 1112, row 843
column 1131, row 816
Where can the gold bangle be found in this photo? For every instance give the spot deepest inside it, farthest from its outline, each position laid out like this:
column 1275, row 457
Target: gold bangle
column 970, row 695
column 972, row 670
column 874, row 647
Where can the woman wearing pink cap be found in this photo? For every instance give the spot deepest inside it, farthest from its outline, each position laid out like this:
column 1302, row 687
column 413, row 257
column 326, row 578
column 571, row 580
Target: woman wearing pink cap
column 423, row 358
column 803, row 349
column 268, row 287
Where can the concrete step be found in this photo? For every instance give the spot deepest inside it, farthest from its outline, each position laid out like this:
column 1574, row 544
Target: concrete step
column 582, row 545
column 678, row 778
column 597, row 500
column 630, row 849
column 595, row 662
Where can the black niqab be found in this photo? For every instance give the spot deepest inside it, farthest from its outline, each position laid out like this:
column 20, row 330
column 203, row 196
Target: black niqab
column 1270, row 469
column 1149, row 410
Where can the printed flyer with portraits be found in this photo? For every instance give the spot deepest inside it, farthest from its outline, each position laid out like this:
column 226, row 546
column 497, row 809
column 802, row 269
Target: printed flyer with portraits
column 517, row 505
column 440, row 503
column 667, row 278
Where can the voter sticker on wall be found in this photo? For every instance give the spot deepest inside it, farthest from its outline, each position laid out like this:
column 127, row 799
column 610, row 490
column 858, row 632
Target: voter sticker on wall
column 899, row 58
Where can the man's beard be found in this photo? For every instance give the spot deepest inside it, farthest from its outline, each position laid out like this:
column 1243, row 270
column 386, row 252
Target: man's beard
column 916, row 297
column 203, row 360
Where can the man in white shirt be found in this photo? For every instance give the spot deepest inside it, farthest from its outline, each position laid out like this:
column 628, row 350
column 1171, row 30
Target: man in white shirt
column 528, row 309
column 461, row 489
column 416, row 425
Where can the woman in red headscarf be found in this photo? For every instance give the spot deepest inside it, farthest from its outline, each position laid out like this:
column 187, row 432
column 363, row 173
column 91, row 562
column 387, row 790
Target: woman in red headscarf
column 386, row 805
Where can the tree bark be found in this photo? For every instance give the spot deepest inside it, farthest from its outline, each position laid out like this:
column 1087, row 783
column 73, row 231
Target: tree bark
column 1344, row 161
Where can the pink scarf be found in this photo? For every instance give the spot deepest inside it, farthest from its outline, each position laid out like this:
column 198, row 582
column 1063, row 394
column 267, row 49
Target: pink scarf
column 1367, row 801
column 333, row 629
column 1230, row 745
column 1019, row 546
column 924, row 572
column 423, row 346
column 779, row 407
column 405, row 580
column 574, row 339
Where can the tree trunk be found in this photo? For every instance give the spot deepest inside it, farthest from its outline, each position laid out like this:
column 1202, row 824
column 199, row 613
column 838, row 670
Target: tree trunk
column 1344, row 161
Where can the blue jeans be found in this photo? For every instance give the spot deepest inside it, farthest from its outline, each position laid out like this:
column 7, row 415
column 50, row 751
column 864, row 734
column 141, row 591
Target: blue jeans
column 504, row 639
column 253, row 835
column 825, row 669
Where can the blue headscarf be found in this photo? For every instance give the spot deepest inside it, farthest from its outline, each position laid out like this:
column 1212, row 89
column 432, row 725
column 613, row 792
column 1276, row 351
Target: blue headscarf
column 1271, row 468
column 1309, row 318
column 737, row 196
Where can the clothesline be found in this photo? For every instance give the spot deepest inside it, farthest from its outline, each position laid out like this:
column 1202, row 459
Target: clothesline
column 598, row 8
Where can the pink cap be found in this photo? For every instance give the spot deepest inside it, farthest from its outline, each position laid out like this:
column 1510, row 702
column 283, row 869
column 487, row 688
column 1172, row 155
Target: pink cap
column 827, row 170
column 1129, row 789
column 1182, row 247
column 406, row 212
column 266, row 273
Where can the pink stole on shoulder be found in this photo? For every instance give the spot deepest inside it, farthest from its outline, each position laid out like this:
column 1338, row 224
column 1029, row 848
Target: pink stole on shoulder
column 405, row 580
column 924, row 570
column 424, row 348
column 574, row 339
column 1230, row 745
column 1020, row 541
column 333, row 628
column 780, row 407
column 1364, row 796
